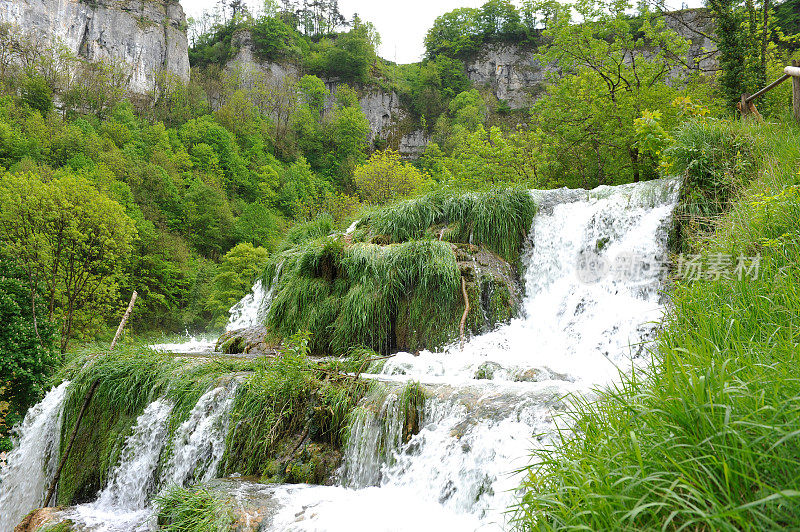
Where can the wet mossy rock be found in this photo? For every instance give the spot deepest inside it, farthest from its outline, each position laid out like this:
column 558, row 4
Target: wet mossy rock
column 43, row 520
column 395, row 282
column 252, row 341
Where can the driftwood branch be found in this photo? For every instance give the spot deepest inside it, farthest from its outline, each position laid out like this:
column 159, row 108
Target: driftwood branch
column 124, row 320
column 466, row 310
column 51, row 490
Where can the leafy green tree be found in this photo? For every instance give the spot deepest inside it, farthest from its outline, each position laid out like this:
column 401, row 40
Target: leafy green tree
column 434, row 84
column 313, row 92
column 70, row 239
column 469, row 110
column 384, row 178
column 499, row 18
column 273, row 38
column 210, row 219
column 27, row 347
column 234, row 279
column 259, row 224
column 37, row 94
column 489, row 157
column 455, row 34
column 617, row 72
column 349, row 58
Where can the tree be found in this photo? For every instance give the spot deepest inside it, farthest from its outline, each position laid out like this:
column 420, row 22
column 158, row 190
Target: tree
column 234, row 279
column 384, row 178
column 27, row 354
column 313, row 92
column 616, row 71
column 350, row 57
column 70, row 239
column 455, row 34
column 36, row 94
column 499, row 18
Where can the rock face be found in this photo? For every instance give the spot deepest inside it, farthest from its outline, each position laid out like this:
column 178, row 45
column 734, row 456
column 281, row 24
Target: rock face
column 514, row 75
column 382, row 108
column 147, row 36
column 247, row 63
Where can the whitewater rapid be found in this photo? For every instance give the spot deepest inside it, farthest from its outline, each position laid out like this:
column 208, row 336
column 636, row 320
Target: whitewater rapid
column 594, row 281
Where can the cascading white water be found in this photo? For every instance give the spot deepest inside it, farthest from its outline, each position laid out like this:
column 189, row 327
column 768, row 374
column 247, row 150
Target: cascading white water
column 589, row 311
column 32, row 462
column 199, row 443
column 591, row 305
column 124, row 503
column 253, row 308
column 197, row 447
column 246, row 312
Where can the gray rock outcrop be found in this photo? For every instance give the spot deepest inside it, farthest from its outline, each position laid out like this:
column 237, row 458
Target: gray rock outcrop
column 514, row 75
column 146, row 37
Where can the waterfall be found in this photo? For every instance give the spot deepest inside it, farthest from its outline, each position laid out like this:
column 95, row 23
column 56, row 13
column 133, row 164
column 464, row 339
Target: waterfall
column 593, row 299
column 376, row 436
column 594, row 277
column 123, row 503
column 199, row 443
column 197, row 448
column 32, row 462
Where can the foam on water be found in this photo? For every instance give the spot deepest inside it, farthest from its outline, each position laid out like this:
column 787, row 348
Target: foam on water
column 197, row 447
column 491, row 402
column 199, row 443
column 32, row 462
column 124, row 504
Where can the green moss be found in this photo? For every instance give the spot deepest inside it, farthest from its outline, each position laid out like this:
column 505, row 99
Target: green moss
column 129, row 379
column 290, row 417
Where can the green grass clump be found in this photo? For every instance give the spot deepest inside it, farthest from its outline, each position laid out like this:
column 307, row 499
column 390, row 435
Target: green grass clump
column 715, row 158
column 395, row 282
column 196, row 509
column 498, row 219
column 357, row 295
column 284, row 401
column 709, row 438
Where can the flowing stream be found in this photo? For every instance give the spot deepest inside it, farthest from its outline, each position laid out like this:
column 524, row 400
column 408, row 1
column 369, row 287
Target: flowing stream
column 593, row 299
column 30, row 465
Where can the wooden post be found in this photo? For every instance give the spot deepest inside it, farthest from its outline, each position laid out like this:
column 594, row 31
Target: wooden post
column 796, row 91
column 124, row 319
column 51, row 490
column 744, row 105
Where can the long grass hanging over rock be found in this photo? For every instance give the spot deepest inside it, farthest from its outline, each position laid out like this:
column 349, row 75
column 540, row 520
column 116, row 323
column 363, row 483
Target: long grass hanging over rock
column 498, row 219
column 395, row 282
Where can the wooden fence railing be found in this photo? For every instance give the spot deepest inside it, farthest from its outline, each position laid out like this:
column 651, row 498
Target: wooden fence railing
column 746, row 106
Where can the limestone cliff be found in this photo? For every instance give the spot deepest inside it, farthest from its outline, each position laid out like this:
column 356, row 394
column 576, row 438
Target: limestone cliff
column 510, row 71
column 382, row 108
column 514, row 75
column 145, row 36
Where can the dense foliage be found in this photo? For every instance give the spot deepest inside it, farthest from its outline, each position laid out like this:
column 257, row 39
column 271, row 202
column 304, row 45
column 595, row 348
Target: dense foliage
column 27, row 352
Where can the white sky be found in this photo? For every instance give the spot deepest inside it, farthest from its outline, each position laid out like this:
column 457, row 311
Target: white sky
column 402, row 24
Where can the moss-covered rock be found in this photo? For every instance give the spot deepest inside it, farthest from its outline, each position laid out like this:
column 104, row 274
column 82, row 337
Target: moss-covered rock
column 251, row 341
column 397, row 281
